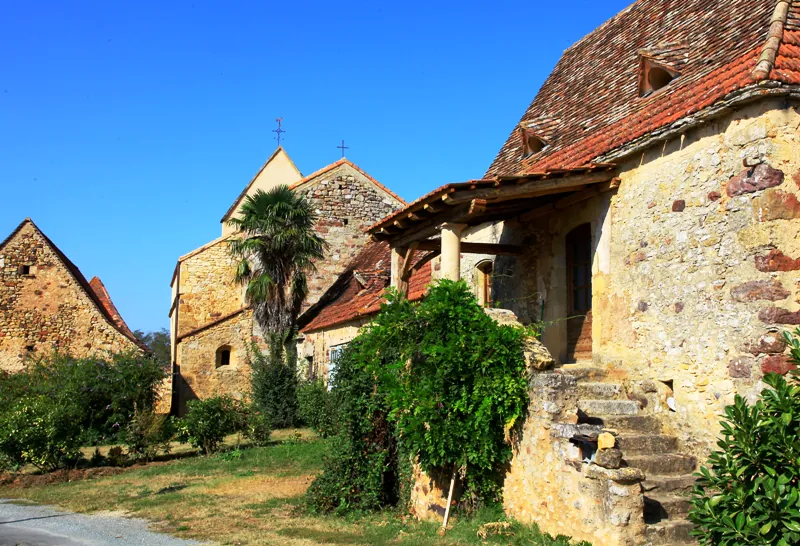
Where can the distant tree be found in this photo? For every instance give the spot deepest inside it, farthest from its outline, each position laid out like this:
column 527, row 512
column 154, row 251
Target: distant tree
column 275, row 250
column 158, row 342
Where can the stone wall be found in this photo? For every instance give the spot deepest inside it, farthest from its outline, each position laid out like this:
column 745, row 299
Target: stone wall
column 347, row 203
column 200, row 376
column 315, row 346
column 696, row 266
column 47, row 309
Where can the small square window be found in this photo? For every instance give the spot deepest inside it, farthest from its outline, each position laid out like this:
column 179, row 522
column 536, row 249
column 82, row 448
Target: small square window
column 24, row 270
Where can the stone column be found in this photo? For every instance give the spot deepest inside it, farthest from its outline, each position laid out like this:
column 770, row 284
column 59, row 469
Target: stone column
column 451, row 251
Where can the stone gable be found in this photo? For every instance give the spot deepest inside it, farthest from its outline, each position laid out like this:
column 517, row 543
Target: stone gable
column 46, row 306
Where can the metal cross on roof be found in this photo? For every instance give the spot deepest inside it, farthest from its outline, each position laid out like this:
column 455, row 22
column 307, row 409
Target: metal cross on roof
column 279, row 130
column 343, row 148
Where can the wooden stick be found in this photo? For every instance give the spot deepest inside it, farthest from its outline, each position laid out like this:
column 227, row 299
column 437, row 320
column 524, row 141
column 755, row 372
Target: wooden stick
column 449, row 501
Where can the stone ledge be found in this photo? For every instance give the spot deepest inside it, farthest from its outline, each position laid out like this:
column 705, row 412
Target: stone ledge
column 619, row 475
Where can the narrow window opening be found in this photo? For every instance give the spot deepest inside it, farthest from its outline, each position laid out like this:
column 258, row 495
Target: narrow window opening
column 25, row 269
column 224, row 356
column 345, row 221
column 30, row 348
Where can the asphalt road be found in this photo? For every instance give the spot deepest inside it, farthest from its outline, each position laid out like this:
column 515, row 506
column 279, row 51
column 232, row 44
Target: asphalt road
column 31, row 525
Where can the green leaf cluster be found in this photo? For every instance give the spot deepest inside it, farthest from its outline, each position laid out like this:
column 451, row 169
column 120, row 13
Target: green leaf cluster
column 749, row 490
column 438, row 380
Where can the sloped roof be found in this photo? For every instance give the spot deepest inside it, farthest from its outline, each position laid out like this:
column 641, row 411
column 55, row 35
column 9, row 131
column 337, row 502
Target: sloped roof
column 590, row 103
column 353, row 300
column 345, row 161
column 95, row 290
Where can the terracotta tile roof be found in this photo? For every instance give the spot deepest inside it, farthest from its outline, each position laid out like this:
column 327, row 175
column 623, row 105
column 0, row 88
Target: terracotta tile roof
column 590, row 104
column 100, row 291
column 360, row 292
column 345, row 161
column 106, row 308
column 452, row 189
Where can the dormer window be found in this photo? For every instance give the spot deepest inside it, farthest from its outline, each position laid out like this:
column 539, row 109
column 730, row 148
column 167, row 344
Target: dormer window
column 531, row 142
column 654, row 76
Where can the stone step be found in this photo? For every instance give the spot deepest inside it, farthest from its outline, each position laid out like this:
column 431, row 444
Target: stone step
column 582, row 371
column 643, row 424
column 595, row 408
column 670, row 533
column 667, row 484
column 599, row 391
column 646, row 444
column 665, row 464
column 661, row 506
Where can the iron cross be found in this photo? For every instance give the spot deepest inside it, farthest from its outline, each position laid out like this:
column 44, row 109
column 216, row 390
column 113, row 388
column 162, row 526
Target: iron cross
column 343, row 148
column 279, row 130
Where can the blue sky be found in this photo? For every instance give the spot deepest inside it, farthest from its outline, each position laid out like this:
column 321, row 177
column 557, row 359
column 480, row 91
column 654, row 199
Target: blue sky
column 128, row 128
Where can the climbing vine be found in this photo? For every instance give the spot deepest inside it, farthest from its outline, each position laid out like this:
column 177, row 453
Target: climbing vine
column 438, row 380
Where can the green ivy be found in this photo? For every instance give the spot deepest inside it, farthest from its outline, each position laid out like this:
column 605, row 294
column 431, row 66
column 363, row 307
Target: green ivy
column 749, row 490
column 438, row 380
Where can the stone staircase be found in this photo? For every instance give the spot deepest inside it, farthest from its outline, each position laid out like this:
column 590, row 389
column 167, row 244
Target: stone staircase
column 668, row 472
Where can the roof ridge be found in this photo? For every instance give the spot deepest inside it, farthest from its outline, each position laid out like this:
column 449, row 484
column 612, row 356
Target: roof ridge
column 766, row 62
column 345, row 161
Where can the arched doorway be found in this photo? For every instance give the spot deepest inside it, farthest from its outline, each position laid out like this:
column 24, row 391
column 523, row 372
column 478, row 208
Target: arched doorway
column 578, row 246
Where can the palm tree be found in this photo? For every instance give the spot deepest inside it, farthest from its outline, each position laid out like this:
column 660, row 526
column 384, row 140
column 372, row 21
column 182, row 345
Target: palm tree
column 276, row 249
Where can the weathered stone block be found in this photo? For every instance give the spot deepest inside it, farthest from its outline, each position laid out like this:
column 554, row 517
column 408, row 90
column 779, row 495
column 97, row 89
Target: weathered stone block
column 619, row 475
column 608, row 458
column 678, row 205
column 768, row 344
column 606, row 441
column 776, row 261
column 740, row 368
column 754, row 179
column 779, row 364
column 776, row 205
column 771, row 290
column 778, row 315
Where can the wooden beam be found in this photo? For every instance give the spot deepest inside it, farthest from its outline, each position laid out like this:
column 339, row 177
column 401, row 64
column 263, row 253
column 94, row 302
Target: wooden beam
column 425, row 259
column 430, row 226
column 475, row 248
column 407, row 261
column 527, row 190
column 432, row 209
column 477, row 206
column 414, row 217
column 571, row 199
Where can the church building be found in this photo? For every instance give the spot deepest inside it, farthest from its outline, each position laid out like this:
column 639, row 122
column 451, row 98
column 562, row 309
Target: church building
column 212, row 326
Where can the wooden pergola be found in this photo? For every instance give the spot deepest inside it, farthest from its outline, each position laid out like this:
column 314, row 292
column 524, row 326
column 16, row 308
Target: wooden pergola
column 434, row 222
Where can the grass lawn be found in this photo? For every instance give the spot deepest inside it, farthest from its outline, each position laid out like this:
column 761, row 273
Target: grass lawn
column 254, row 496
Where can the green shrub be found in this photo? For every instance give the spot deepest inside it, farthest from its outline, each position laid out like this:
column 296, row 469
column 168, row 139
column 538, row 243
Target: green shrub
column 749, row 490
column 41, row 431
column 274, row 383
column 147, row 434
column 257, row 427
column 105, row 391
column 316, row 407
column 438, row 380
column 208, row 422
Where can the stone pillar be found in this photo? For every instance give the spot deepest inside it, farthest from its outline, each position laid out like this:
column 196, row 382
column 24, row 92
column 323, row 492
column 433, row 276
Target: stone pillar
column 451, row 251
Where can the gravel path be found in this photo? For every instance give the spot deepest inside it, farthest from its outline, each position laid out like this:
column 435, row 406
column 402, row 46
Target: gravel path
column 31, row 525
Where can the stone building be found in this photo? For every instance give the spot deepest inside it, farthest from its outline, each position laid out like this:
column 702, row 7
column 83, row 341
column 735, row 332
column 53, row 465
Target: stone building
column 646, row 209
column 47, row 304
column 212, row 327
column 350, row 303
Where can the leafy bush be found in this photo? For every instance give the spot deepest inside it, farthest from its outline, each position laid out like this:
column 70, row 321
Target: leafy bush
column 316, row 408
column 105, row 392
column 257, row 427
column 439, row 380
column 147, row 434
column 41, row 431
column 274, row 383
column 749, row 490
column 208, row 422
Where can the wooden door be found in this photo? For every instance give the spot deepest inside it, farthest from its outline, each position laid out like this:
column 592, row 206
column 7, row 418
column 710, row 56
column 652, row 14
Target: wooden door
column 579, row 293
